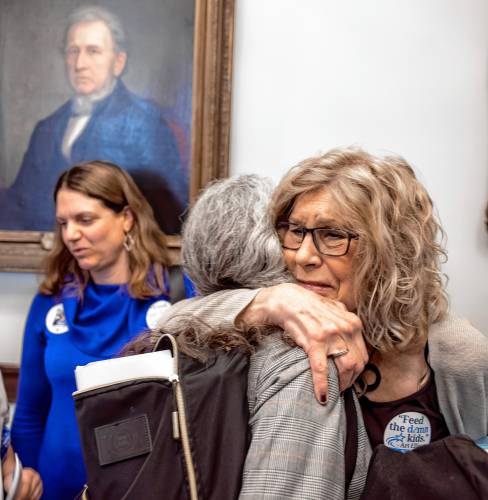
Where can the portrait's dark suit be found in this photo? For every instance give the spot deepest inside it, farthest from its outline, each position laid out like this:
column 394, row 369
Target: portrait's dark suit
column 124, row 129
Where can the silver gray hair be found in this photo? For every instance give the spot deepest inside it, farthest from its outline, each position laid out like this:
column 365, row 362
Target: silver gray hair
column 90, row 13
column 228, row 238
column 228, row 242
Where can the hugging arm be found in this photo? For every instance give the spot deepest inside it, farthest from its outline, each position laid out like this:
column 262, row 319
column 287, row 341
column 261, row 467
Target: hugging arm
column 320, row 326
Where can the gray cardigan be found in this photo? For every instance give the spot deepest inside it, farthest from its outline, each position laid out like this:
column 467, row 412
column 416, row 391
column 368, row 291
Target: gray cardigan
column 458, row 354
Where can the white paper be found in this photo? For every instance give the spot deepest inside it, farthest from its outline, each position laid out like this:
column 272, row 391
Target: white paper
column 157, row 364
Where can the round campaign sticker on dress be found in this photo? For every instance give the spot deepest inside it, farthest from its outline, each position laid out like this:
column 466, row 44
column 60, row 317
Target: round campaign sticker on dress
column 56, row 320
column 155, row 312
column 407, row 431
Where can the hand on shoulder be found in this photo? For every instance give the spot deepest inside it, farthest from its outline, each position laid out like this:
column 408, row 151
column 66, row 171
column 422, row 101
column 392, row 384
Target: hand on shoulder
column 320, row 326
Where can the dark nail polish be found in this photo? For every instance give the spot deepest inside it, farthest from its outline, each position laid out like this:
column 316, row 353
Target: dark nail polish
column 323, row 399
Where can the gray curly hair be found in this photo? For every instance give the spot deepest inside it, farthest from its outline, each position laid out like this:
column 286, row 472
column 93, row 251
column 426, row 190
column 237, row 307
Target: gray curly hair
column 228, row 238
column 228, row 242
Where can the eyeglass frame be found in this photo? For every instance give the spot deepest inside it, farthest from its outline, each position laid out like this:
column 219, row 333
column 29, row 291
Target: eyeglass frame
column 305, row 230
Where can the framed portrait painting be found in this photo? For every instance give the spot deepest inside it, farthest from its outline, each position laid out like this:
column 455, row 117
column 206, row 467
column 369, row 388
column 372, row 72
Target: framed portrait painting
column 145, row 85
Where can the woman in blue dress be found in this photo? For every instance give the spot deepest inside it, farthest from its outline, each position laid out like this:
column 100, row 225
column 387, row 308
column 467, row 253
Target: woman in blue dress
column 105, row 282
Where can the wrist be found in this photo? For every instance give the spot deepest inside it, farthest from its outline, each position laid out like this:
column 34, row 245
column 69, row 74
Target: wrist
column 263, row 310
column 270, row 303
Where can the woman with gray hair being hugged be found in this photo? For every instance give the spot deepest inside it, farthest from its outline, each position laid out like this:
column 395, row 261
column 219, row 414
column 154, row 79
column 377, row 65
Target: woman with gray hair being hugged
column 297, row 447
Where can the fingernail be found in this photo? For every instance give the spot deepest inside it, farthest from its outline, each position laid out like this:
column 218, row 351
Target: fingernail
column 323, row 399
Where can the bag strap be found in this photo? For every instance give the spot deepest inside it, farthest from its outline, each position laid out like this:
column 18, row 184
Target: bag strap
column 167, row 341
column 176, row 284
column 351, row 446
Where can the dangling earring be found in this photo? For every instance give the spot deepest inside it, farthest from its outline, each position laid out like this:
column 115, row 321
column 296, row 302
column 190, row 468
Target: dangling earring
column 128, row 242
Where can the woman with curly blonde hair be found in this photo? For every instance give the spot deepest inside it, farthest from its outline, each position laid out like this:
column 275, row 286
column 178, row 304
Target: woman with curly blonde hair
column 375, row 244
column 360, row 230
column 396, row 252
column 105, row 282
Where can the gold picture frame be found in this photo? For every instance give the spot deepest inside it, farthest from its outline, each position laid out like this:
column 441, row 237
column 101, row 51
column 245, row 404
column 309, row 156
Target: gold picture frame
column 23, row 251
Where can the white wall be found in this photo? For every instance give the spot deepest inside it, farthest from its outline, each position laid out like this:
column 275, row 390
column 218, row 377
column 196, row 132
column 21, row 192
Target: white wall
column 408, row 76
column 16, row 292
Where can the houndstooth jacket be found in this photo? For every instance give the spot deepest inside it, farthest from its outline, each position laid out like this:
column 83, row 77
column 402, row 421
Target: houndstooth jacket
column 297, row 445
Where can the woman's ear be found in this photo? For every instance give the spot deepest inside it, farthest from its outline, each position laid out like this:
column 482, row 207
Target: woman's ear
column 129, row 219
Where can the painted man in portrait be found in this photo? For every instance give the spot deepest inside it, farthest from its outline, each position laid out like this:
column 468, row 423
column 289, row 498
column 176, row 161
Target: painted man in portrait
column 103, row 120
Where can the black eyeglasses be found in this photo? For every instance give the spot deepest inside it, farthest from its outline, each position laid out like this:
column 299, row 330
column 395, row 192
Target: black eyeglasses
column 327, row 241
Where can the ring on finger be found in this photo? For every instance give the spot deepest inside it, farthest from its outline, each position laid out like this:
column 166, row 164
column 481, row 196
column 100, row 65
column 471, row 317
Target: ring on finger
column 338, row 354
